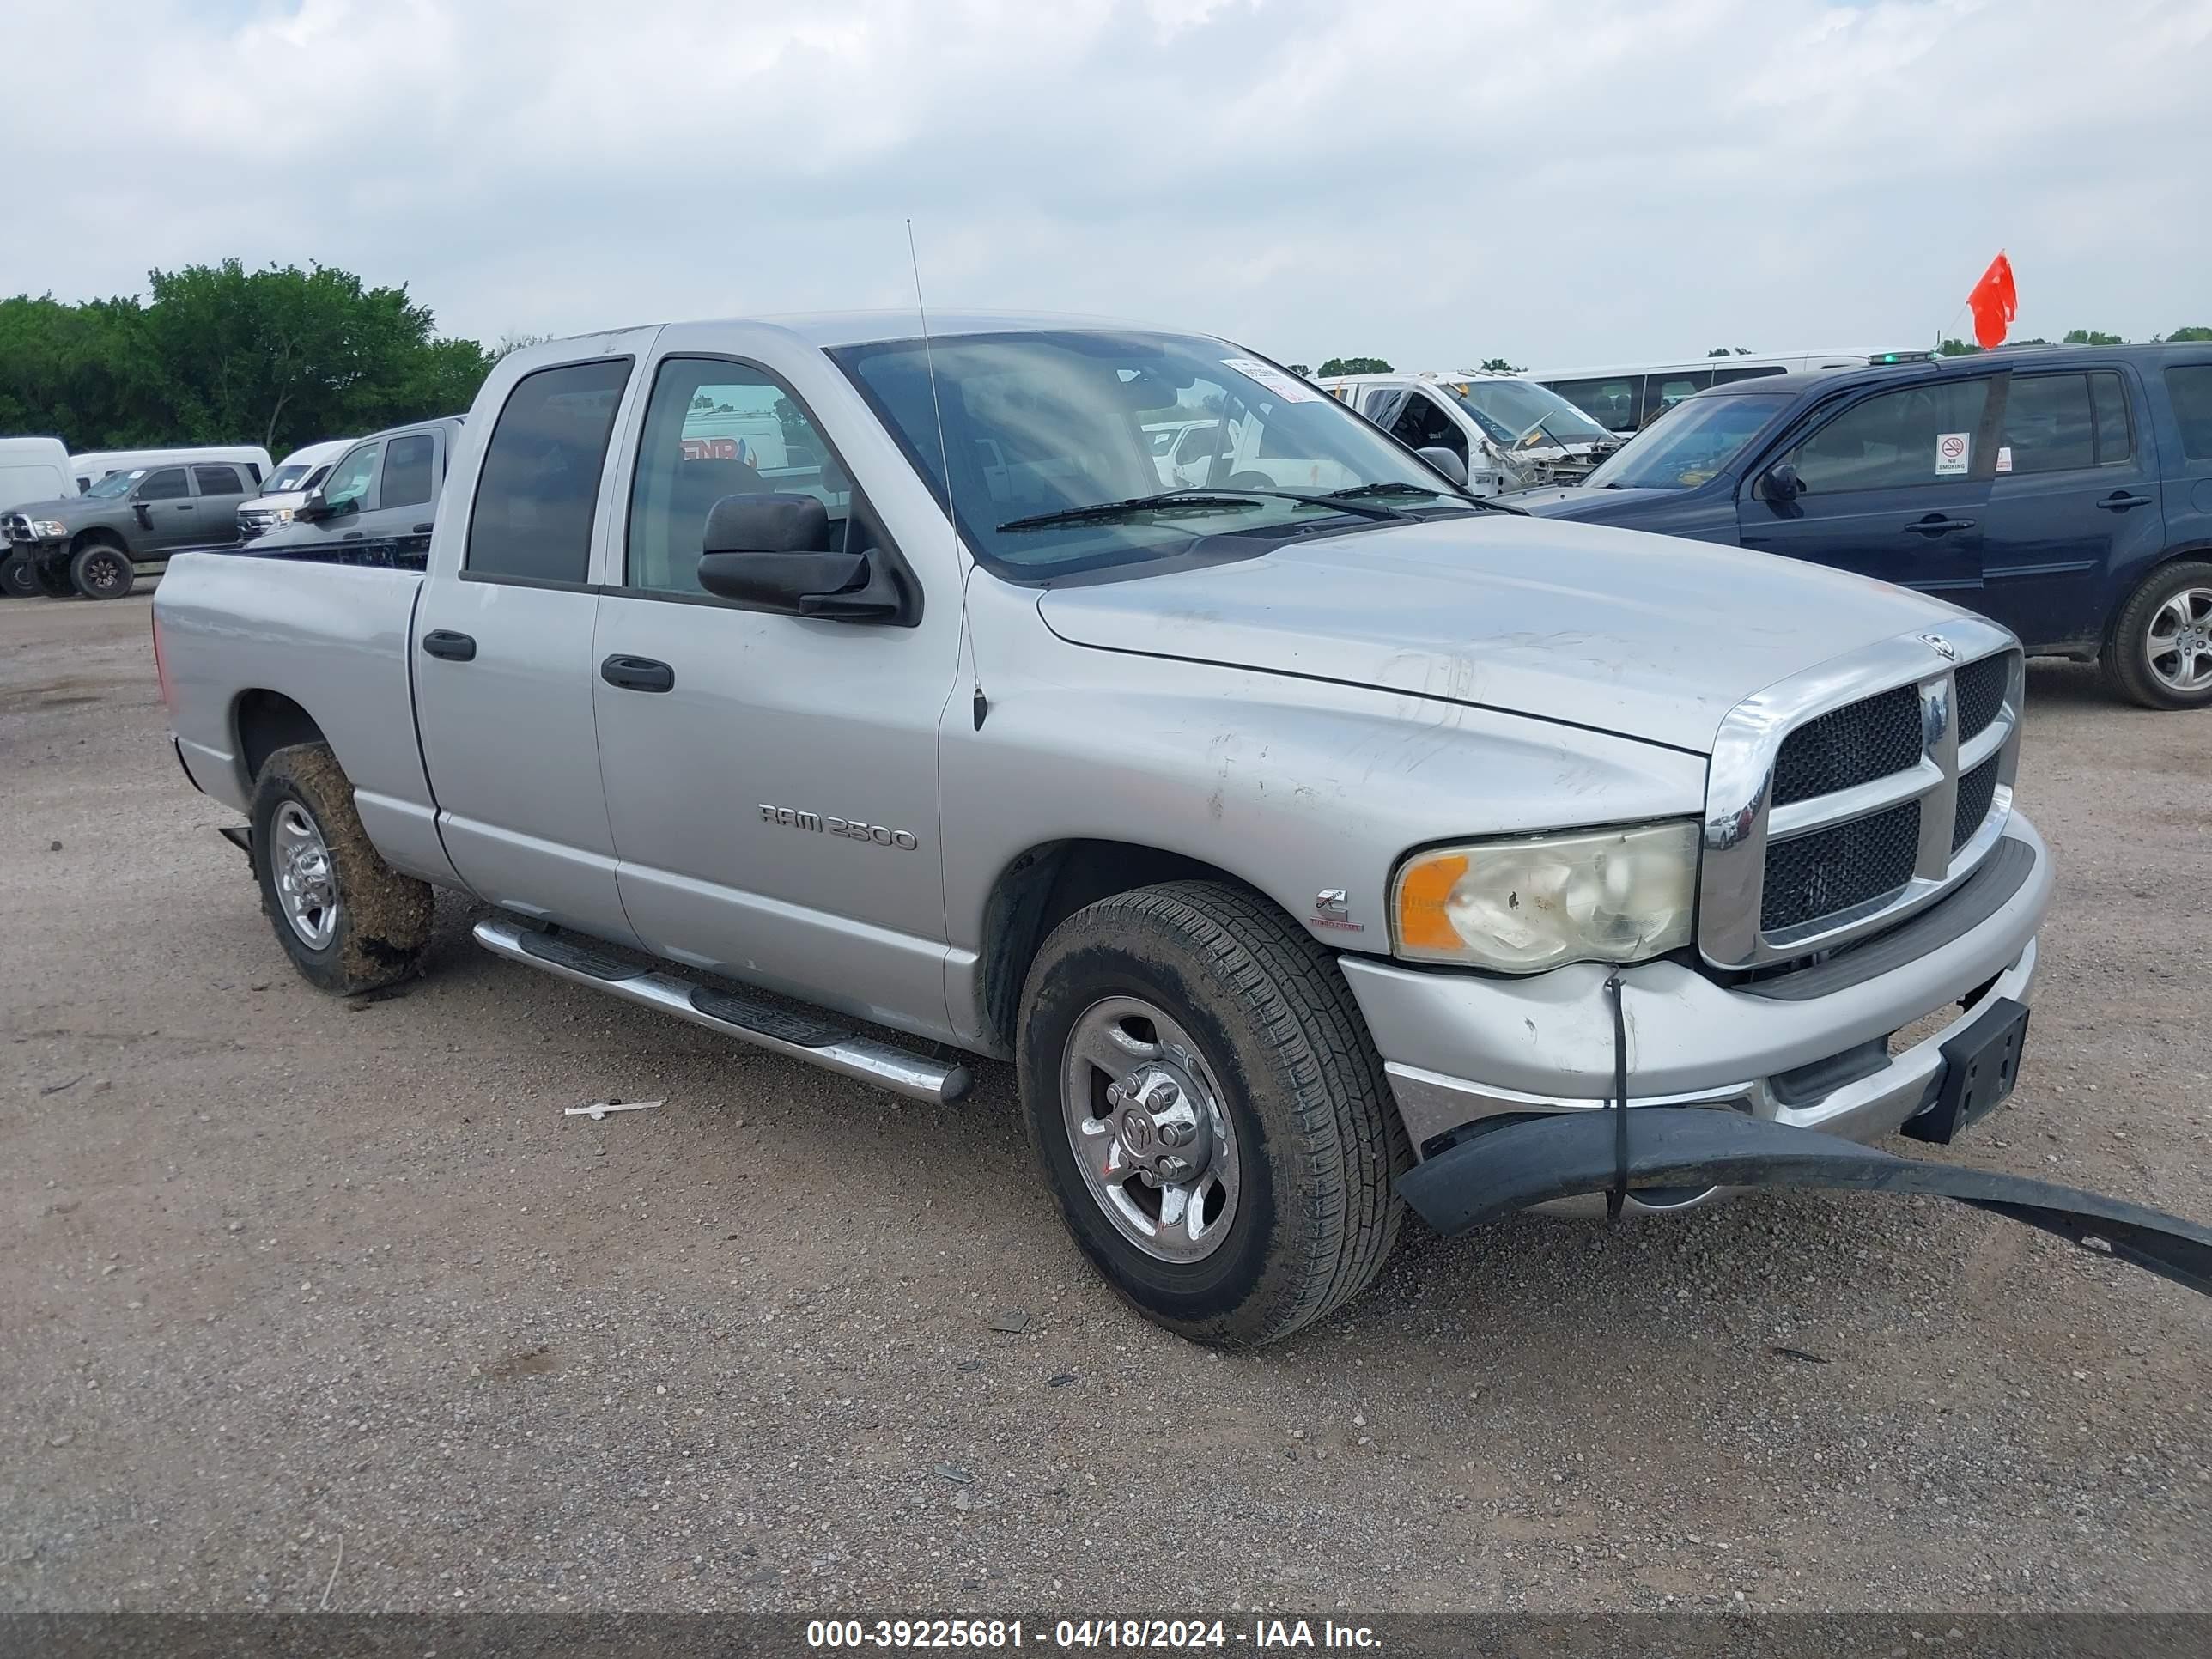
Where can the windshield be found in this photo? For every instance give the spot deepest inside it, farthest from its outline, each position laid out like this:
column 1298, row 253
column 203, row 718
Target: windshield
column 1039, row 426
column 116, row 484
column 287, row 477
column 1689, row 442
column 1511, row 412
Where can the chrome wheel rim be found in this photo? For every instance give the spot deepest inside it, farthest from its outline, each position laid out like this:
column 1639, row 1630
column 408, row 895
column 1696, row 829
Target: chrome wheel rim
column 306, row 886
column 2177, row 645
column 1156, row 1147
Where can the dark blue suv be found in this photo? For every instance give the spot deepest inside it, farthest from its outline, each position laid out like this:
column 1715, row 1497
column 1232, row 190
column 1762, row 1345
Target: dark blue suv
column 2065, row 491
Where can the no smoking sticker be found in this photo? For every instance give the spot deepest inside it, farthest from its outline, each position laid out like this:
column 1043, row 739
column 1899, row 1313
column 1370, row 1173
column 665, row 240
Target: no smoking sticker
column 1954, row 451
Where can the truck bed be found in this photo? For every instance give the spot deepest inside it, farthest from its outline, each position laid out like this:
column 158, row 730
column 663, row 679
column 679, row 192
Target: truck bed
column 332, row 639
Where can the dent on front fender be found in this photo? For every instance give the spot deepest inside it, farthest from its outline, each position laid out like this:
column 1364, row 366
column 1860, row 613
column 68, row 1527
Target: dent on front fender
column 1569, row 1155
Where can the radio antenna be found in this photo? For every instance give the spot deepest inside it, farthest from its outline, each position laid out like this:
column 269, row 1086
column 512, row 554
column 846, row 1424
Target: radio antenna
column 983, row 705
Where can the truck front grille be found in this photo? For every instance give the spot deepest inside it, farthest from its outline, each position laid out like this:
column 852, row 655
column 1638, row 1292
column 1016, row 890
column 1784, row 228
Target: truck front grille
column 1839, row 868
column 1840, row 802
column 14, row 527
column 1849, row 745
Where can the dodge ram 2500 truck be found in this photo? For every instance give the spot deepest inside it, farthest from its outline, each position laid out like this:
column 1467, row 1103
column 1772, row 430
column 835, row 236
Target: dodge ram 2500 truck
column 1308, row 851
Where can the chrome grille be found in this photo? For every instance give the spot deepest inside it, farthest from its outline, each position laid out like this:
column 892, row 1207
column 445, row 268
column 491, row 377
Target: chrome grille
column 1976, row 789
column 1981, row 694
column 1835, row 869
column 16, row 527
column 1842, row 800
column 1849, row 746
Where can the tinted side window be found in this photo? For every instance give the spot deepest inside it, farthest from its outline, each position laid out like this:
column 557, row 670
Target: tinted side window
column 1662, row 392
column 2047, row 425
column 2115, row 434
column 1730, row 376
column 2190, row 386
column 717, row 429
column 532, row 518
column 407, row 469
column 218, row 481
column 1919, row 434
column 1611, row 402
column 167, row 485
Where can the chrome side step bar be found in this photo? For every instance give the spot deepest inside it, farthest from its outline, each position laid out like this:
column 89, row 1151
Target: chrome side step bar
column 765, row 1025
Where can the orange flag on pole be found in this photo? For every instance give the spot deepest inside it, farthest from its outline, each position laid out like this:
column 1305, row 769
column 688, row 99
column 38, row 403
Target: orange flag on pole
column 1994, row 303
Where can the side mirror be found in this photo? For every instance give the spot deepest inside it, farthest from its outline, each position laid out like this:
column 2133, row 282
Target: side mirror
column 1446, row 461
column 1781, row 483
column 312, row 505
column 772, row 552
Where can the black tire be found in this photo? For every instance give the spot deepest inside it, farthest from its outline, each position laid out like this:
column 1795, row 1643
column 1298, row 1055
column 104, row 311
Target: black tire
column 100, row 570
column 53, row 577
column 383, row 917
column 2124, row 662
column 1319, row 1141
column 19, row 578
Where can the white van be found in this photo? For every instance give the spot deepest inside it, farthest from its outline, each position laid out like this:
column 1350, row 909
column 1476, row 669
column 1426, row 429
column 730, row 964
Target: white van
column 282, row 490
column 93, row 466
column 1628, row 398
column 1509, row 432
column 34, row 470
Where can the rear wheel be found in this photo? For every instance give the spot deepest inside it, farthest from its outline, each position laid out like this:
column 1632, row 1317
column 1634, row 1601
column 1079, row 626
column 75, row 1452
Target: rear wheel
column 2160, row 651
column 1210, row 1111
column 19, row 579
column 101, row 572
column 349, row 922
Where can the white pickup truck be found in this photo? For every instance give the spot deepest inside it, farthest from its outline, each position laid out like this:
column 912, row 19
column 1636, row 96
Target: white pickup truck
column 1311, row 852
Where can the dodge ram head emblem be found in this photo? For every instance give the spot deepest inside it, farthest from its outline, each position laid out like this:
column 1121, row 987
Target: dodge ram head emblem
column 1941, row 646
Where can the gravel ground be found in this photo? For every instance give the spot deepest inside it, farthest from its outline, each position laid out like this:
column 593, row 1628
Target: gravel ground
column 282, row 1276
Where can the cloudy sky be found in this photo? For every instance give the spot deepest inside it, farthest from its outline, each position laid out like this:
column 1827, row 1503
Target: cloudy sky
column 1436, row 181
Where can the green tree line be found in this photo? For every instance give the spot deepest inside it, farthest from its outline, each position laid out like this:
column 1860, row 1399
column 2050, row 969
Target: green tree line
column 217, row 353
column 2089, row 336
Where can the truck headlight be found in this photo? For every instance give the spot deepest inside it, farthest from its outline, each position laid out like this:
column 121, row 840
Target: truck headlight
column 50, row 530
column 1524, row 905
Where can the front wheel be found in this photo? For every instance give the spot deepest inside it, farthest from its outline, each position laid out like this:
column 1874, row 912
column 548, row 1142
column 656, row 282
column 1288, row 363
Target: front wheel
column 1210, row 1111
column 2160, row 650
column 101, row 572
column 349, row 922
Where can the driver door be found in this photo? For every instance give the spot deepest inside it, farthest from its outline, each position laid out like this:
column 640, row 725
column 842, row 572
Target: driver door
column 162, row 502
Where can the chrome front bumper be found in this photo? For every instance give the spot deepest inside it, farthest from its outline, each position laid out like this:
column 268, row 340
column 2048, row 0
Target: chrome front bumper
column 1460, row 1049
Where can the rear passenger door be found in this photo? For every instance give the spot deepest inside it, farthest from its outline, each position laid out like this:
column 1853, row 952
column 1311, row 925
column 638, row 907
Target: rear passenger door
column 2075, row 501
column 504, row 670
column 218, row 489
column 1894, row 485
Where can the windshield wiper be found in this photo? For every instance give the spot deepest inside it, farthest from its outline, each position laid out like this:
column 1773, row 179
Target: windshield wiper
column 1199, row 500
column 1482, row 501
column 1103, row 512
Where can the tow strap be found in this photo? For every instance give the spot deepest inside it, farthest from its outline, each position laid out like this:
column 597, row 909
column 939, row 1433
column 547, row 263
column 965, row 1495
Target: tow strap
column 1573, row 1154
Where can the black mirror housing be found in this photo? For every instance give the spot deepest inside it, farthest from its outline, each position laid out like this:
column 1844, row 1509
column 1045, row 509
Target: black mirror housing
column 771, row 552
column 1782, row 484
column 312, row 505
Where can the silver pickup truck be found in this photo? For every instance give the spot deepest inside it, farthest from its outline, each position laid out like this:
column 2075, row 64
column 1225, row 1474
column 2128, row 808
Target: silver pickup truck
column 1314, row 839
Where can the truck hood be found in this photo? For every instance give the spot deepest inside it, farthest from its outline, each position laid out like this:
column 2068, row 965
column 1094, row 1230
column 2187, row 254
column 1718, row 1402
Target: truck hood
column 53, row 506
column 1647, row 637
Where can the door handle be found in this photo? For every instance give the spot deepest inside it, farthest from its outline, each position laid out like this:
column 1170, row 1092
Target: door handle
column 638, row 674
column 2119, row 502
column 351, row 536
column 1936, row 525
column 453, row 647
column 422, row 530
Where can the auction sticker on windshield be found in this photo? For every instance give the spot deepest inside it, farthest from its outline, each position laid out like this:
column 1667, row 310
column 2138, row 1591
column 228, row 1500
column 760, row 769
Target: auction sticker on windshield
column 1286, row 387
column 1952, row 451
